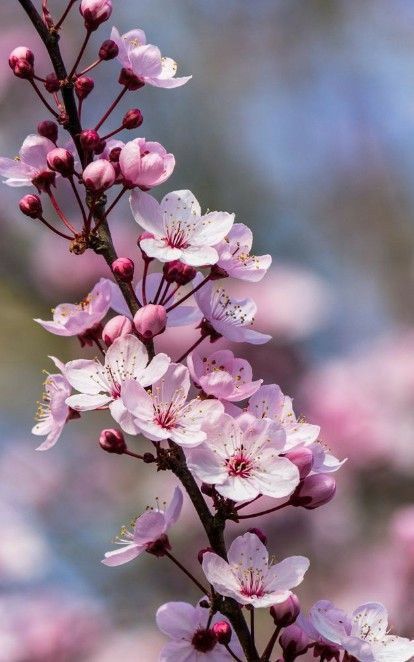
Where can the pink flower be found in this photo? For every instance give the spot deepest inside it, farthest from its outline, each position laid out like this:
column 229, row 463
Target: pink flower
column 191, row 639
column 145, row 164
column 180, row 316
column 242, row 459
column 230, row 317
column 249, row 577
column 235, row 258
column 150, row 528
column 75, row 319
column 53, row 411
column 164, row 413
column 31, row 162
column 180, row 231
column 222, row 375
column 363, row 634
column 145, row 60
column 102, row 385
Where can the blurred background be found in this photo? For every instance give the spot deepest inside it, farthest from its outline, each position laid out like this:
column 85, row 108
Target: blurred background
column 299, row 118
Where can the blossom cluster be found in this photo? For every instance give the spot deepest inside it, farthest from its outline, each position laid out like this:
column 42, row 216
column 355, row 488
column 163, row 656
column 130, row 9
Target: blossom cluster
column 203, row 415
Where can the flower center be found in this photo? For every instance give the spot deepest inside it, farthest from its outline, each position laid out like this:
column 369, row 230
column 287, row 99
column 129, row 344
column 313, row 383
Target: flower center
column 204, row 640
column 239, row 465
column 177, row 235
column 252, row 583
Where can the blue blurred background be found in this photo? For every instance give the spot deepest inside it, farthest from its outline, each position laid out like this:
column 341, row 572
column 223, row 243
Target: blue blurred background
column 299, row 118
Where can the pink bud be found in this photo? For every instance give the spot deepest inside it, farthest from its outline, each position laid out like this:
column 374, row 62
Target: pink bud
column 117, row 327
column 99, row 175
column 123, row 268
column 44, row 180
column 89, row 139
column 130, row 80
column 222, row 630
column 302, row 458
column 314, row 491
column 285, row 613
column 21, row 61
column 83, row 86
column 259, row 533
column 61, row 160
column 150, row 321
column 112, row 441
column 132, row 119
column 108, row 50
column 52, row 83
column 30, row 205
column 95, row 12
column 178, row 272
column 202, row 552
column 48, row 129
column 294, row 642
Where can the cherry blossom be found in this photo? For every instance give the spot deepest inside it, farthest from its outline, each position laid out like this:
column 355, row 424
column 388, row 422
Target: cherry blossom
column 145, row 164
column 191, row 633
column 53, row 412
column 242, row 459
column 102, row 385
column 30, row 164
column 235, row 258
column 228, row 316
column 149, row 529
column 165, row 413
column 145, row 60
column 180, row 231
column 363, row 634
column 249, row 577
column 76, row 319
column 222, row 375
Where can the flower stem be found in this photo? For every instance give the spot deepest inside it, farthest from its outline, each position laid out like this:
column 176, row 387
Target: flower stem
column 144, row 283
column 111, row 108
column 158, row 292
column 193, row 346
column 90, row 67
column 265, row 512
column 65, row 13
column 233, row 655
column 81, row 52
column 60, row 213
column 271, row 644
column 252, row 632
column 77, row 196
column 117, row 199
column 187, row 572
column 61, row 234
column 187, row 296
column 43, row 100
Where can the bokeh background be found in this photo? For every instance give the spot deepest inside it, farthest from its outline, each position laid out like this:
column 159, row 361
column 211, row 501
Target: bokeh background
column 300, row 118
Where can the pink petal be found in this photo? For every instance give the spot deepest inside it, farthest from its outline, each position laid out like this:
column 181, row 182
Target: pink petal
column 122, row 555
column 173, row 511
column 147, row 212
column 177, row 620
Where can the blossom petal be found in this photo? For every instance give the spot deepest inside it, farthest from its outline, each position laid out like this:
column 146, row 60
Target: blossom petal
column 247, row 551
column 86, row 376
column 220, row 575
column 155, row 369
column 213, row 228
column 182, row 206
column 122, row 416
column 173, row 511
column 177, row 620
column 34, row 151
column 145, row 61
column 149, row 527
column 287, row 574
column 122, row 555
column 147, row 212
column 88, row 402
column 168, row 83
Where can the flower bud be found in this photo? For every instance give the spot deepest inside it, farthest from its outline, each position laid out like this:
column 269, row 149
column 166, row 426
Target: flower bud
column 95, row 12
column 21, row 61
column 294, row 642
column 117, row 327
column 123, row 268
column 302, row 458
column 30, row 205
column 44, row 180
column 314, row 491
column 130, row 80
column 48, row 129
column 202, row 552
column 99, row 175
column 83, row 86
column 150, row 321
column 108, row 50
column 132, row 119
column 89, row 139
column 144, row 235
column 178, row 272
column 61, row 160
column 222, row 630
column 286, row 612
column 259, row 533
column 112, row 441
column 52, row 83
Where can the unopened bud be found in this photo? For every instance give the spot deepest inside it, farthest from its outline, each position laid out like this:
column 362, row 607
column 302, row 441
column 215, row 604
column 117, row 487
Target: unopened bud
column 222, row 630
column 178, row 272
column 89, row 139
column 314, row 491
column 150, row 321
column 112, row 441
column 259, row 533
column 294, row 642
column 117, row 327
column 61, row 160
column 132, row 119
column 302, row 458
column 286, row 612
column 83, row 86
column 108, row 50
column 48, row 129
column 30, row 205
column 52, row 83
column 99, row 175
column 44, row 180
column 95, row 12
column 123, row 268
column 202, row 552
column 21, row 61
column 130, row 80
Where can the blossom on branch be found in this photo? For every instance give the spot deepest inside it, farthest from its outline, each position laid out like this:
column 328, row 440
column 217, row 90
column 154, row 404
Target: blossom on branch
column 53, row 412
column 235, row 258
column 145, row 164
column 30, row 168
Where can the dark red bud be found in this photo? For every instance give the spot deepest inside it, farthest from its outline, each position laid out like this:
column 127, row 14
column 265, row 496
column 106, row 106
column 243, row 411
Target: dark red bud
column 108, row 50
column 48, row 129
column 30, row 205
column 52, row 83
column 44, row 180
column 99, row 148
column 83, row 86
column 132, row 119
column 178, row 272
column 123, row 268
column 286, row 612
column 112, row 441
column 89, row 139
